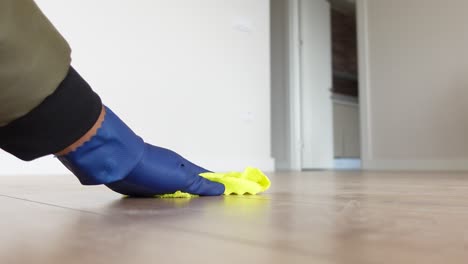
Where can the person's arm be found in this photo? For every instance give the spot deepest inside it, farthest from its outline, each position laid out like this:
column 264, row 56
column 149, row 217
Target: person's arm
column 46, row 108
column 32, row 54
column 44, row 105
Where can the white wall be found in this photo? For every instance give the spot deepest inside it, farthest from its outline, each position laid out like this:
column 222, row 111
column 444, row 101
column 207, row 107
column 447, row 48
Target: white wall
column 193, row 76
column 414, row 65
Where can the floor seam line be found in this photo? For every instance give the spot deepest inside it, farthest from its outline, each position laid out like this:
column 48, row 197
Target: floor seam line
column 49, row 204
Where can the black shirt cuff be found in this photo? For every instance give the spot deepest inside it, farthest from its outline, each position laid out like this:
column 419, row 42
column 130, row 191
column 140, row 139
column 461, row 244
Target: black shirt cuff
column 60, row 120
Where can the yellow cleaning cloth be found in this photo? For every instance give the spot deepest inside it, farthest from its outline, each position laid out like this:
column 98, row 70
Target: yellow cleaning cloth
column 251, row 181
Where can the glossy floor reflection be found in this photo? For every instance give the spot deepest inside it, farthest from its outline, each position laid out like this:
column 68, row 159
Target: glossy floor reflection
column 309, row 217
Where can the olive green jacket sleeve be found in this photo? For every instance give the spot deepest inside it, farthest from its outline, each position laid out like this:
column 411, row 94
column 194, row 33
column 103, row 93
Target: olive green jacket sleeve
column 34, row 58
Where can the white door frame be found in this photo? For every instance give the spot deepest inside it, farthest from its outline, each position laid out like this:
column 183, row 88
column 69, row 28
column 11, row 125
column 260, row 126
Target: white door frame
column 295, row 113
column 364, row 82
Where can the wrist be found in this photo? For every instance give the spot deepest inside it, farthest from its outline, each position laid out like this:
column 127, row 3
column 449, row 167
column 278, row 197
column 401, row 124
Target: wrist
column 86, row 137
column 107, row 153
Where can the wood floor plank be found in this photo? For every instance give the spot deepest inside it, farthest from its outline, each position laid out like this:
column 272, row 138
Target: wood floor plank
column 308, row 217
column 38, row 233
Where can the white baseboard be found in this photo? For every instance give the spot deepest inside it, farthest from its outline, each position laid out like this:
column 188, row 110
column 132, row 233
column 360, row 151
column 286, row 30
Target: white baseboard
column 416, row 165
column 51, row 166
column 239, row 164
column 282, row 165
column 347, row 164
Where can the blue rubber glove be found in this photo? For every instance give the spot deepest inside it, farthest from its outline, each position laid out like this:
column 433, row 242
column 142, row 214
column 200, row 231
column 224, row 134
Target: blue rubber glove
column 122, row 161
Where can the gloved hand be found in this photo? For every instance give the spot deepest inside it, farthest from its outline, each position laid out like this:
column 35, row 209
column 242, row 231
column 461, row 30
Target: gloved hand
column 118, row 158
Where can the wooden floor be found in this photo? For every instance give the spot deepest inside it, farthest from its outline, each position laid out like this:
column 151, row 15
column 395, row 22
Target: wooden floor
column 309, row 217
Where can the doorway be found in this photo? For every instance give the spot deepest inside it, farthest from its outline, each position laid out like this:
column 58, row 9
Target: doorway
column 315, row 106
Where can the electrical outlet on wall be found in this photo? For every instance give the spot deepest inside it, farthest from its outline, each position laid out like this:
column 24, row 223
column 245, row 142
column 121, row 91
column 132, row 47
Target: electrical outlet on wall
column 248, row 116
column 242, row 24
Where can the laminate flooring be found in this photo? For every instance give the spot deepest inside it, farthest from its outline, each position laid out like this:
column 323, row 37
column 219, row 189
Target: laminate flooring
column 306, row 217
